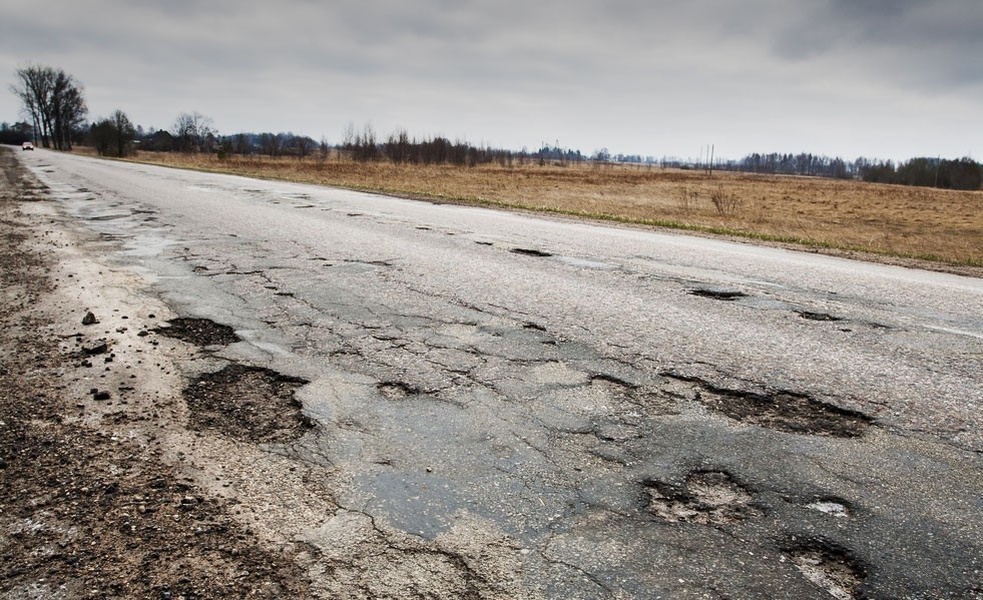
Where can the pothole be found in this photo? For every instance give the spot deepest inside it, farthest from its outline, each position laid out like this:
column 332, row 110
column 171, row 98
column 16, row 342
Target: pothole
column 531, row 252
column 200, row 332
column 707, row 498
column 784, row 411
column 650, row 400
column 718, row 294
column 830, row 568
column 396, row 390
column 817, row 316
column 247, row 403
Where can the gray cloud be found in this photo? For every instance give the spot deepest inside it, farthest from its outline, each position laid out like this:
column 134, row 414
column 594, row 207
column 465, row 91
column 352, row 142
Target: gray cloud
column 907, row 42
column 635, row 76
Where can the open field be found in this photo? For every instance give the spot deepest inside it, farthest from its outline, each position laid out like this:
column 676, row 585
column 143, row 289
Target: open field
column 937, row 226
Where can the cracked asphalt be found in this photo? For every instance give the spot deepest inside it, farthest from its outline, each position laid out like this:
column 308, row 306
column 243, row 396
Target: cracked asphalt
column 508, row 406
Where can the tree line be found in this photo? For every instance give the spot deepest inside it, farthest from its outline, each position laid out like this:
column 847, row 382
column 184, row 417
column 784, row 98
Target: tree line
column 400, row 148
column 55, row 107
column 959, row 174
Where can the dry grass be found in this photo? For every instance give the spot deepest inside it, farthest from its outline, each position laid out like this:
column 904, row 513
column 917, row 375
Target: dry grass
column 945, row 227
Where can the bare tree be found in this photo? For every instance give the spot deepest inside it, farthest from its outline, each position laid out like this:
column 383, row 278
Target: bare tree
column 272, row 143
column 302, row 145
column 241, row 144
column 33, row 89
column 193, row 132
column 53, row 99
column 125, row 132
column 114, row 136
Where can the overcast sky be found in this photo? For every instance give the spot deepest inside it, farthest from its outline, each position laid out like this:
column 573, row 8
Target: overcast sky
column 877, row 78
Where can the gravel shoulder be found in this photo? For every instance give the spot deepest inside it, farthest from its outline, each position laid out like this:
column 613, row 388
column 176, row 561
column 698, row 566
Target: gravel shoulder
column 137, row 463
column 95, row 497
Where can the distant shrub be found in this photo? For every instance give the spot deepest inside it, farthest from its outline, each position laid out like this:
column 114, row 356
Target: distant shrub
column 726, row 204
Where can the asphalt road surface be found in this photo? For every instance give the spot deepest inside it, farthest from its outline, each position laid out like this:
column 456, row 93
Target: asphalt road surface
column 560, row 409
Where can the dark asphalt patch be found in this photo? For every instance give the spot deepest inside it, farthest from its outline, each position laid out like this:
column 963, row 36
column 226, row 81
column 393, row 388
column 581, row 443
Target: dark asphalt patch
column 725, row 295
column 247, row 403
column 200, row 332
column 531, row 252
column 817, row 316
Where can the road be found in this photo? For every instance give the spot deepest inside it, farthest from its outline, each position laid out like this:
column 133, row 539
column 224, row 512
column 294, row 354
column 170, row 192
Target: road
column 504, row 405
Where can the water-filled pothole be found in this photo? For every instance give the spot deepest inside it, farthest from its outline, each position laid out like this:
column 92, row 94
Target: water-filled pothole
column 247, row 403
column 707, row 498
column 201, row 332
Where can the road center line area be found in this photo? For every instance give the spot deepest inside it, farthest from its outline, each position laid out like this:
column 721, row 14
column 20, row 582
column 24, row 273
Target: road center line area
column 216, row 385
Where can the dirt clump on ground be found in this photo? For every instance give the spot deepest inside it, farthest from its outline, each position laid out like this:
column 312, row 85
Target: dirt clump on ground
column 84, row 512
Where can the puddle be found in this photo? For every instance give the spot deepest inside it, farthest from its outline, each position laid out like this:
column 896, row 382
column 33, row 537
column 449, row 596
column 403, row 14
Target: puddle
column 247, row 403
column 707, row 498
column 201, row 332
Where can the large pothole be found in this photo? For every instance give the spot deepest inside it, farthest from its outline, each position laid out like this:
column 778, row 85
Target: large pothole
column 200, row 332
column 830, row 568
column 707, row 498
column 783, row 411
column 247, row 403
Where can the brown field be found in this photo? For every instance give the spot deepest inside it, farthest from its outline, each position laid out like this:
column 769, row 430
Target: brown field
column 933, row 228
